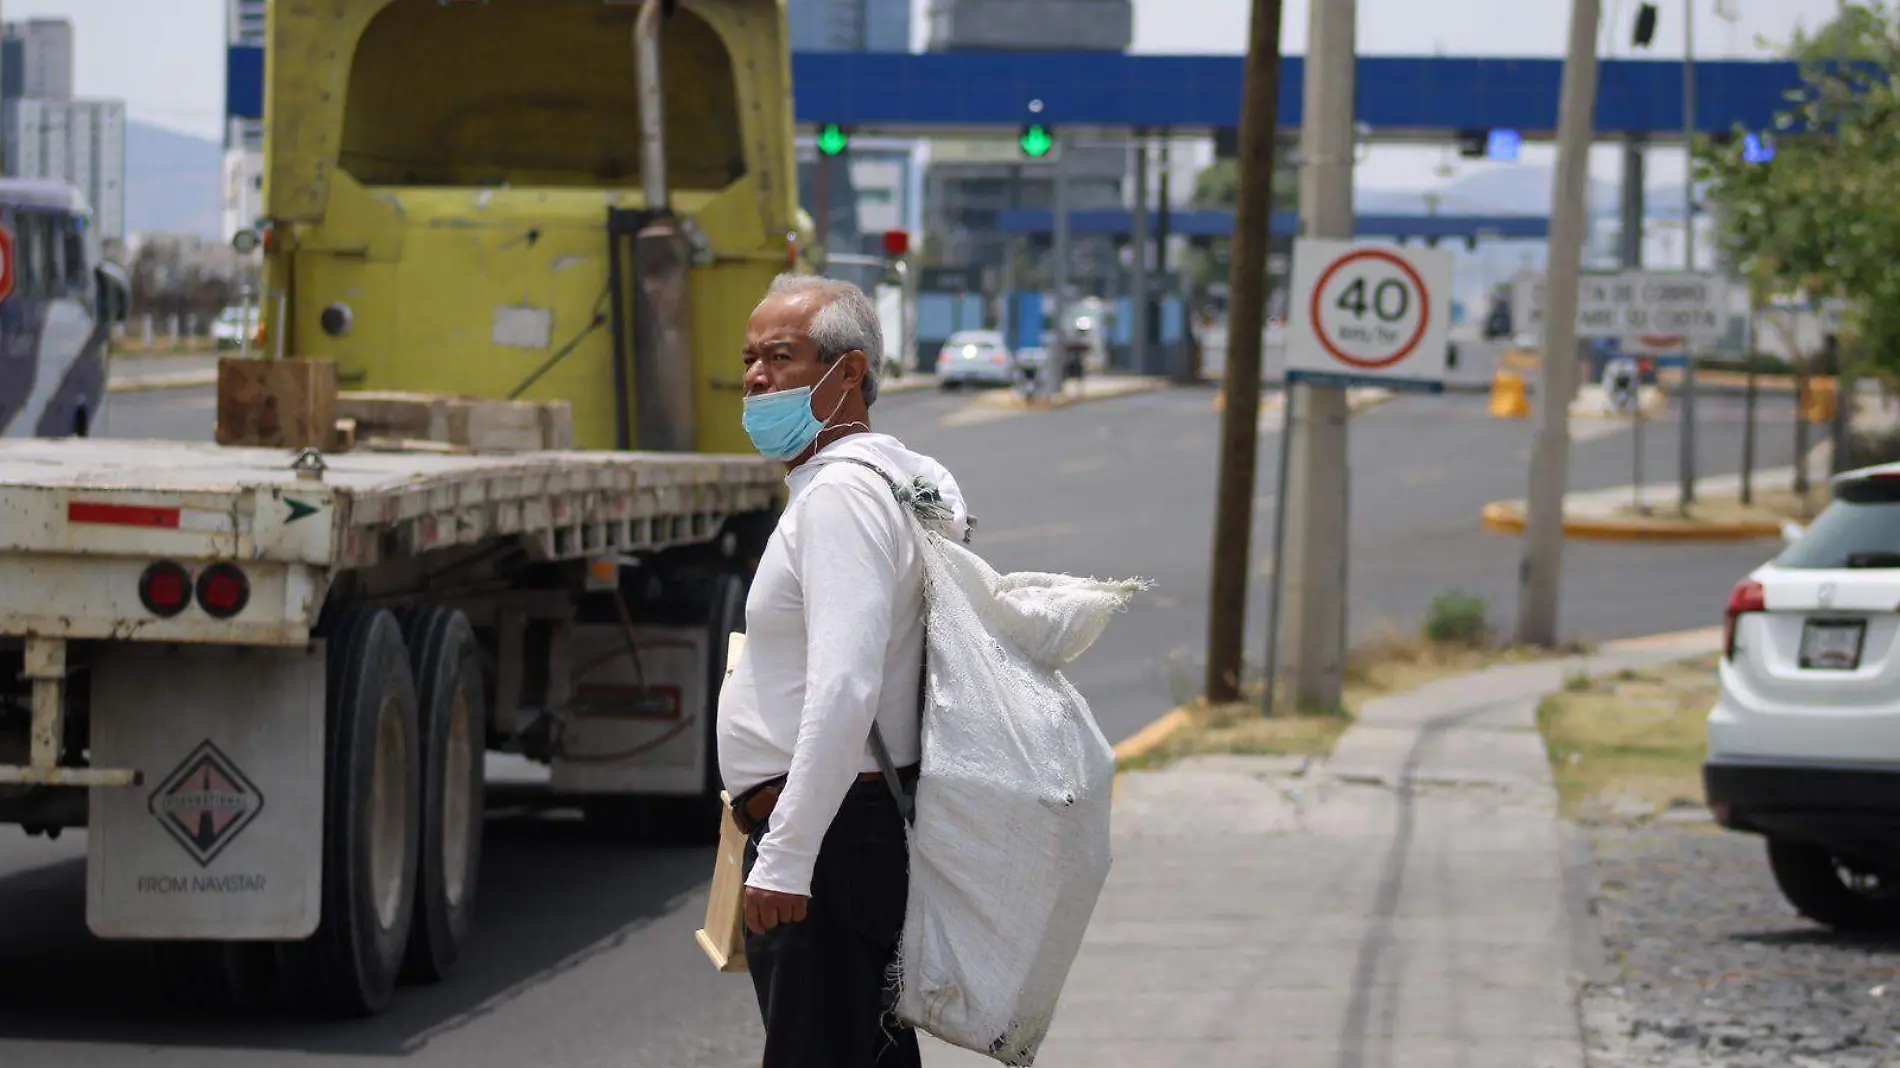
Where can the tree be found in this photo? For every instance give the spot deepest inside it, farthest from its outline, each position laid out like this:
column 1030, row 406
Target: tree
column 1820, row 218
column 1217, row 188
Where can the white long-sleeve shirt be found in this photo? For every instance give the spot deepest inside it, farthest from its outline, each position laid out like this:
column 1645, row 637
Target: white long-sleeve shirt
column 834, row 641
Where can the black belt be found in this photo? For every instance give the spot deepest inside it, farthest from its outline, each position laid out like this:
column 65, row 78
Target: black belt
column 752, row 808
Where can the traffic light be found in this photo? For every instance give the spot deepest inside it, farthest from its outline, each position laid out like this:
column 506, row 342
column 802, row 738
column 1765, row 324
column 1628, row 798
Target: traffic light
column 1227, row 143
column 1037, row 140
column 833, row 139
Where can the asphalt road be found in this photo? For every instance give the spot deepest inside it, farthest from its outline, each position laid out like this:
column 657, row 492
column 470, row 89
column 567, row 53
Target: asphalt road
column 584, row 955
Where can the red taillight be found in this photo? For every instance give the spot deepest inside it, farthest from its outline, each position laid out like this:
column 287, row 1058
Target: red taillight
column 223, row 591
column 165, row 589
column 1748, row 597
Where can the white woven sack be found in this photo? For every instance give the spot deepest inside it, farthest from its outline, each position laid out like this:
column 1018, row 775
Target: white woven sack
column 1011, row 843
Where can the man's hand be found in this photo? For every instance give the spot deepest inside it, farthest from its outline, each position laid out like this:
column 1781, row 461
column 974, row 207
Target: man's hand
column 766, row 909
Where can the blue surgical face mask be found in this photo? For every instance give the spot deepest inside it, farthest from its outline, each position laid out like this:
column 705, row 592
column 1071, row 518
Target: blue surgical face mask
column 781, row 425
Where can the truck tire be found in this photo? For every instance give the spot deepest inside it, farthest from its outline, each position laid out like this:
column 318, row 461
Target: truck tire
column 453, row 710
column 1813, row 881
column 370, row 823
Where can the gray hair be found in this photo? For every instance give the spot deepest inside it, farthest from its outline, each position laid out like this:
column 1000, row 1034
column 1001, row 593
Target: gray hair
column 847, row 320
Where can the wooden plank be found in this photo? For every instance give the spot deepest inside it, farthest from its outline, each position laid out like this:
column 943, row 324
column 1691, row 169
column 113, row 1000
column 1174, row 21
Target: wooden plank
column 476, row 424
column 344, row 438
column 280, row 404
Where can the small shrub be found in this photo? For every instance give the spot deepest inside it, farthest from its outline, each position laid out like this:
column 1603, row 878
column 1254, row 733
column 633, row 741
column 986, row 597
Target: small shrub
column 1458, row 618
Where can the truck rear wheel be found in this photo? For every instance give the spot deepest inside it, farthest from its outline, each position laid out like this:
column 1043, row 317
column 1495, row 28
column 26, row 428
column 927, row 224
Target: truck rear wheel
column 453, row 711
column 370, row 823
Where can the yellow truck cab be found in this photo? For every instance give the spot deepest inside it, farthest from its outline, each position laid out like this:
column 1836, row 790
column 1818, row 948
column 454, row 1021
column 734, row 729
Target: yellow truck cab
column 455, row 190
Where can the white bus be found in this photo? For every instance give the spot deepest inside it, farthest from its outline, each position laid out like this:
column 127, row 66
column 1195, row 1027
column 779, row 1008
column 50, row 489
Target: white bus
column 56, row 318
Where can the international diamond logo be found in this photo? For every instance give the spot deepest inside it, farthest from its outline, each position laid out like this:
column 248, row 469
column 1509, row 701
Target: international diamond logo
column 206, row 803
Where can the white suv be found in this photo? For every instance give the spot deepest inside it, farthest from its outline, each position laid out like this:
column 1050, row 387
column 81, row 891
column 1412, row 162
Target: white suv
column 1804, row 740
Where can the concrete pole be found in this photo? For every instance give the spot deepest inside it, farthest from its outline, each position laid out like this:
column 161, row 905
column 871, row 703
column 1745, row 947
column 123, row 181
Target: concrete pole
column 821, row 203
column 1053, row 360
column 1634, row 209
column 1688, row 245
column 1139, row 293
column 1541, row 574
column 1162, row 284
column 1317, row 531
column 1246, row 327
column 1633, row 204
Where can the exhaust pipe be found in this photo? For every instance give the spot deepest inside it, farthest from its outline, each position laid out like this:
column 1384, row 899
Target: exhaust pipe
column 646, row 54
column 664, row 368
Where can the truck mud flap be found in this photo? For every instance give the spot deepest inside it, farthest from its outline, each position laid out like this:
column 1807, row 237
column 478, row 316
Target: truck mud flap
column 221, row 841
column 635, row 719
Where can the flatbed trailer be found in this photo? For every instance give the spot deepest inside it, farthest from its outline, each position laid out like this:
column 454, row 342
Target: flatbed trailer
column 265, row 681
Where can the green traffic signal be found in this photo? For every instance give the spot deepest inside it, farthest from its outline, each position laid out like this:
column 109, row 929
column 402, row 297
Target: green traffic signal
column 1036, row 141
column 832, row 140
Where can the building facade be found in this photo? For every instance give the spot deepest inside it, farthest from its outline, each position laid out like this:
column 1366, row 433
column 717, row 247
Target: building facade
column 865, row 190
column 79, row 142
column 849, row 25
column 965, row 190
column 36, row 59
column 243, row 138
column 45, row 132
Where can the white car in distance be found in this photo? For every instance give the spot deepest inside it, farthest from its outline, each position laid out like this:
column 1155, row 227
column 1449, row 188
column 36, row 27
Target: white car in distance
column 975, row 357
column 1804, row 739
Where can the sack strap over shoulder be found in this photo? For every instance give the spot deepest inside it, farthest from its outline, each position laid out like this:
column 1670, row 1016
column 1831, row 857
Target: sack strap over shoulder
column 906, row 801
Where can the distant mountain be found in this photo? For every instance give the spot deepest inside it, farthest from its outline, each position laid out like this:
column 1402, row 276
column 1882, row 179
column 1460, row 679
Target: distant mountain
column 1511, row 191
column 173, row 182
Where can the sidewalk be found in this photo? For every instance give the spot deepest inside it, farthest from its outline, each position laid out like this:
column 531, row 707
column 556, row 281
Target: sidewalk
column 139, row 373
column 1410, row 903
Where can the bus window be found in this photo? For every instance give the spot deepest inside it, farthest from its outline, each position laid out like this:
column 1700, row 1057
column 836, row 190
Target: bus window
column 30, row 253
column 76, row 274
column 56, row 256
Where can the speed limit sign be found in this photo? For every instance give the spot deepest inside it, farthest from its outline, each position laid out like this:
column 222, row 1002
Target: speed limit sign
column 6, row 263
column 1364, row 313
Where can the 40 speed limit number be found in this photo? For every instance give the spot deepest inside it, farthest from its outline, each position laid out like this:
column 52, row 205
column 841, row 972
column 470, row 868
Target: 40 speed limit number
column 1368, row 313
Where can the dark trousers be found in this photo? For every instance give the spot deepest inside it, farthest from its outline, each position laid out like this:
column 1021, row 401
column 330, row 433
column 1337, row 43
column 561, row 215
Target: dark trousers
column 824, row 985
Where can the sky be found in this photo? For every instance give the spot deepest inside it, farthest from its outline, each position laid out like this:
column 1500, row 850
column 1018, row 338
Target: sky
column 165, row 58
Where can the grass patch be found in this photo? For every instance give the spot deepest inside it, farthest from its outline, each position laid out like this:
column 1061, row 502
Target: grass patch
column 1633, row 745
column 1393, row 662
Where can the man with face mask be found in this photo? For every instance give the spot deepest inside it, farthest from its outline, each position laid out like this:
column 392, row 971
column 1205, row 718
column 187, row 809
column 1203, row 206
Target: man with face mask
column 834, row 648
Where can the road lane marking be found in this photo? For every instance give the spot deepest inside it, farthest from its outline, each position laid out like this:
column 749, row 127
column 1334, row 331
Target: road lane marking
column 1082, row 466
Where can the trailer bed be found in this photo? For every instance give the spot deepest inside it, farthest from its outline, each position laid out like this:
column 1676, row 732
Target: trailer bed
column 80, row 519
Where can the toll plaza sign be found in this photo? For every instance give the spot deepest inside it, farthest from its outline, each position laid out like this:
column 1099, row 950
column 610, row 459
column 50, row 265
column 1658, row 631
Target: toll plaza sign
column 1634, row 305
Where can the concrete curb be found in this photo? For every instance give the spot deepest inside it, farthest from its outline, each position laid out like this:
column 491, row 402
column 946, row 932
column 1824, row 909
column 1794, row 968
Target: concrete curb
column 1158, row 733
column 1358, row 399
column 1009, row 401
column 1507, row 517
column 1152, row 737
column 150, row 383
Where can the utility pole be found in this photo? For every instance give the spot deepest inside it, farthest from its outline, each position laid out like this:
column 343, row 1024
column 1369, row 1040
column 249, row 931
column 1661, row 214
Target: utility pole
column 1052, row 359
column 1688, row 245
column 1246, row 329
column 1541, row 573
column 1316, row 491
